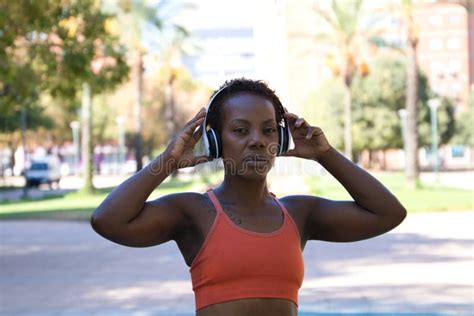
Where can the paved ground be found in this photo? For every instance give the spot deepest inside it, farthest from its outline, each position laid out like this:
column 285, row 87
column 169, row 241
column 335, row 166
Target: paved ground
column 64, row 268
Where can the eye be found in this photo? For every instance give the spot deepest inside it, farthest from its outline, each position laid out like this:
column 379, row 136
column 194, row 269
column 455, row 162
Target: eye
column 240, row 130
column 270, row 130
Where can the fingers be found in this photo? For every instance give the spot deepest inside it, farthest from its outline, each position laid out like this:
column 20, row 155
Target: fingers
column 197, row 134
column 309, row 133
column 299, row 123
column 201, row 114
column 190, row 128
column 290, row 116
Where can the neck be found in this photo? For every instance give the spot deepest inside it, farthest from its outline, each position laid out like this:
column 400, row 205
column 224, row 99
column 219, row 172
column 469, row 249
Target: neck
column 248, row 192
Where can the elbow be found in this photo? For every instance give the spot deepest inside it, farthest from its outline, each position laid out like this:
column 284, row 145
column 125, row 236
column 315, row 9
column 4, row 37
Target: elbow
column 399, row 215
column 97, row 223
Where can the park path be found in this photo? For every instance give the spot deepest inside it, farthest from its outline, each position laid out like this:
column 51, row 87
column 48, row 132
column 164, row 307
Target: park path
column 64, row 268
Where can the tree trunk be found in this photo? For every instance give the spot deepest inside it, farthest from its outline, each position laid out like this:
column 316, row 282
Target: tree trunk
column 86, row 130
column 137, row 110
column 348, row 122
column 170, row 113
column 412, row 114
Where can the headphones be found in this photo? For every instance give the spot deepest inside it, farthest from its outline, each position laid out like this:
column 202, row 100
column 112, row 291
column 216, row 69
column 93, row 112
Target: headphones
column 212, row 141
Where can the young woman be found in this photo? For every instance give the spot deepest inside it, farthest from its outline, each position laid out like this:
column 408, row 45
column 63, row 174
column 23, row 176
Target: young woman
column 242, row 244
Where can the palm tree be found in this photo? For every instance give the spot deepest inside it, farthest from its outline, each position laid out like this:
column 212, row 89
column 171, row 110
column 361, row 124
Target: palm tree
column 136, row 15
column 174, row 43
column 412, row 38
column 345, row 35
column 139, row 16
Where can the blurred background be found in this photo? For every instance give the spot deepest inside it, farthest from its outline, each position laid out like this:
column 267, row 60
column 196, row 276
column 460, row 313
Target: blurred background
column 103, row 85
column 91, row 91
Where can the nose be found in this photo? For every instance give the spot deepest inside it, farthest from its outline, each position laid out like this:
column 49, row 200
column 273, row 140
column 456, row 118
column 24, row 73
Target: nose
column 256, row 140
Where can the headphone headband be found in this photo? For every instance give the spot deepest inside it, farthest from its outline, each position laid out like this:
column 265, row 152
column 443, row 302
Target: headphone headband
column 211, row 141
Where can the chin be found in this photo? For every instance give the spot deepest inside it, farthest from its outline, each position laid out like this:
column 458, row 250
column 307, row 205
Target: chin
column 249, row 170
column 254, row 175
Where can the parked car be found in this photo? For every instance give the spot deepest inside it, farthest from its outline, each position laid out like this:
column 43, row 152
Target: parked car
column 47, row 170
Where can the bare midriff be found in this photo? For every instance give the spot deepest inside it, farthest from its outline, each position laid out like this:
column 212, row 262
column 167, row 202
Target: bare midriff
column 251, row 306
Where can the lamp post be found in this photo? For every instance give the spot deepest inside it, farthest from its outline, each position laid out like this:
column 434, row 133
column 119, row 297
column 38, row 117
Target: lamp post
column 434, row 104
column 403, row 119
column 75, row 139
column 120, row 120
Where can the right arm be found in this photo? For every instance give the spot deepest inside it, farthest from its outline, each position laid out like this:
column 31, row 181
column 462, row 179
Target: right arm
column 125, row 217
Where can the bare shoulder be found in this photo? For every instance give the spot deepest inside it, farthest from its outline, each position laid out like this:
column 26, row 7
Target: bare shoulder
column 298, row 207
column 190, row 203
column 196, row 209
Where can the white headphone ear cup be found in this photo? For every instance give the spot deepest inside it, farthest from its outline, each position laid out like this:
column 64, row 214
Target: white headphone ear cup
column 283, row 140
column 215, row 150
column 205, row 142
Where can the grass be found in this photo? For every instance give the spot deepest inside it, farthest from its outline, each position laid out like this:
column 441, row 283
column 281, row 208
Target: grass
column 426, row 197
column 79, row 206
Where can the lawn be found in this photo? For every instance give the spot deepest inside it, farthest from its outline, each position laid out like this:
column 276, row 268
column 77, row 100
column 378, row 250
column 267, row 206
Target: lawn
column 427, row 197
column 77, row 206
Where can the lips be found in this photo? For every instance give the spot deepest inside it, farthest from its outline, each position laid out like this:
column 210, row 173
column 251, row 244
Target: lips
column 256, row 158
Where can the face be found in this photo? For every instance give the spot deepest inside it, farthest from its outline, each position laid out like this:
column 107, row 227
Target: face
column 249, row 135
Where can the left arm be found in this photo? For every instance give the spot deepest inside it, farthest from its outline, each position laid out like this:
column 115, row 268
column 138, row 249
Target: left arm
column 374, row 211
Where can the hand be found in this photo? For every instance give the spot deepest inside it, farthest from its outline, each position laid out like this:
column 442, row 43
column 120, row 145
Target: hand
column 310, row 141
column 180, row 149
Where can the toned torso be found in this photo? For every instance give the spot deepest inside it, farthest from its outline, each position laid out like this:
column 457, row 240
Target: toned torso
column 201, row 214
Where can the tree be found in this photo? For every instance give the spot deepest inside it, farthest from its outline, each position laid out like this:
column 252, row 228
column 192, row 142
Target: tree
column 140, row 15
column 19, row 83
column 91, row 60
column 412, row 38
column 377, row 98
column 464, row 125
column 346, row 35
column 68, row 50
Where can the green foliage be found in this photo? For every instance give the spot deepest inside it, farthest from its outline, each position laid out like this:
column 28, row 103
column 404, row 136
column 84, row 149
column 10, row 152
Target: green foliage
column 465, row 125
column 49, row 47
column 377, row 98
column 325, row 110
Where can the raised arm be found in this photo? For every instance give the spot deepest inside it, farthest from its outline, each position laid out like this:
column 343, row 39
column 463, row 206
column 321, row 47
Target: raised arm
column 126, row 218
column 374, row 211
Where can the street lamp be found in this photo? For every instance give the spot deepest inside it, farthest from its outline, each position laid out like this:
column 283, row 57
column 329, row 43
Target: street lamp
column 120, row 120
column 403, row 120
column 434, row 104
column 75, row 139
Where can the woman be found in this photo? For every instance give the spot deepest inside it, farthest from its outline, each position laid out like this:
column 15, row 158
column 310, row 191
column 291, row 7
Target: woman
column 244, row 246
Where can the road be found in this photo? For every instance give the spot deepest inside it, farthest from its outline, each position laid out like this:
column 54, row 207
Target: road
column 64, row 268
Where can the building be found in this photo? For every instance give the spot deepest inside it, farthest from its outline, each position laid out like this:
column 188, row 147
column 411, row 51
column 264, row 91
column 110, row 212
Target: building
column 445, row 49
column 446, row 56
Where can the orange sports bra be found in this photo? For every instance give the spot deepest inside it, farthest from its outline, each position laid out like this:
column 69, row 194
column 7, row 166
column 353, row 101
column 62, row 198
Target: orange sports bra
column 235, row 263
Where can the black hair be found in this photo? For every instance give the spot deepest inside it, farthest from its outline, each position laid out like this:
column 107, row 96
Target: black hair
column 237, row 86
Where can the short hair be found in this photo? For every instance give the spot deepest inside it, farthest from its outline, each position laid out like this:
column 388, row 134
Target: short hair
column 238, row 86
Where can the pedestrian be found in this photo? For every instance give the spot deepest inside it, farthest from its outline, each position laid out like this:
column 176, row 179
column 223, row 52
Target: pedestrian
column 244, row 245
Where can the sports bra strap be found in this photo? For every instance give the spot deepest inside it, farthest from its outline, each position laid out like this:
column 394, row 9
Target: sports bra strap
column 279, row 203
column 215, row 201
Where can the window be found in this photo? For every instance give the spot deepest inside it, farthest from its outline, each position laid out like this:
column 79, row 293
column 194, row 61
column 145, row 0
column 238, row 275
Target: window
column 457, row 151
column 453, row 43
column 436, row 20
column 454, row 19
column 436, row 44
